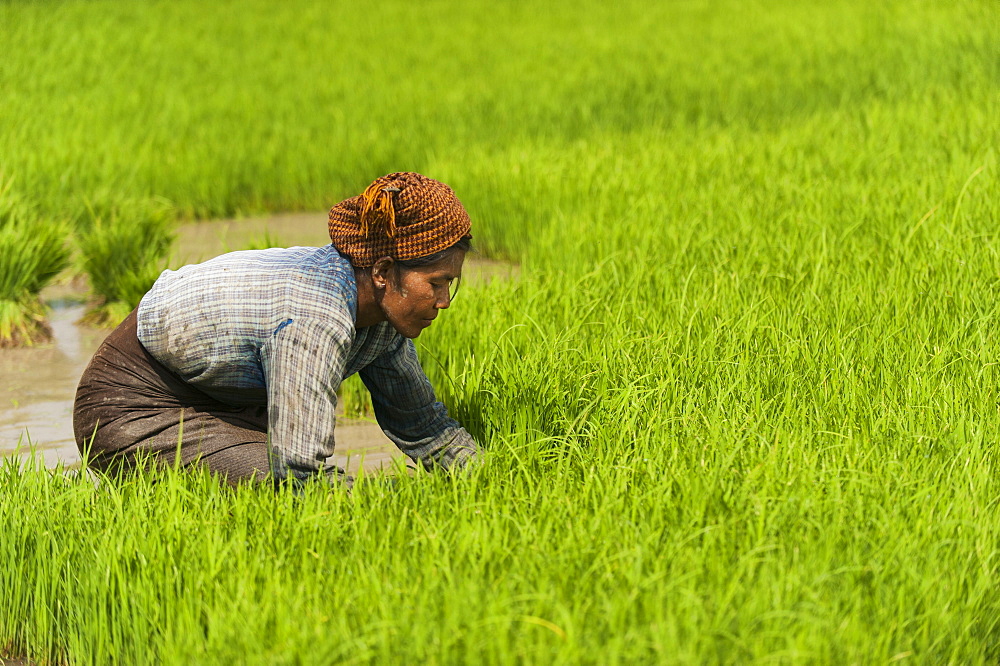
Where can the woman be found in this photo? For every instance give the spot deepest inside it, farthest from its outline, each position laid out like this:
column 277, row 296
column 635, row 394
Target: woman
column 234, row 364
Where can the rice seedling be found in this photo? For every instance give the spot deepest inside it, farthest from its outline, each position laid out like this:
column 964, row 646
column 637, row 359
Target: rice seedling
column 123, row 249
column 32, row 253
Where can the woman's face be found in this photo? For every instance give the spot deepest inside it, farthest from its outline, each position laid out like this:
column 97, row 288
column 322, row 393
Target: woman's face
column 412, row 297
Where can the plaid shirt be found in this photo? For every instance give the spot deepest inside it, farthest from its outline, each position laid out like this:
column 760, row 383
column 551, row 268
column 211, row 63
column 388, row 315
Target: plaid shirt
column 277, row 327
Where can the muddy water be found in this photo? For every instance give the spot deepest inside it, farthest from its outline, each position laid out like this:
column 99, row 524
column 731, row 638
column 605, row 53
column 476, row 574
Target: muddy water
column 37, row 385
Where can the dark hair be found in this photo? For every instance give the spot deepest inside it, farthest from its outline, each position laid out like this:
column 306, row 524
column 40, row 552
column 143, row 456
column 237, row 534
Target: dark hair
column 464, row 244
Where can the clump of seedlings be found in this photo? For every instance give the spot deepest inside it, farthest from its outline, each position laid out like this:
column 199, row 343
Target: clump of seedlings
column 32, row 252
column 123, row 249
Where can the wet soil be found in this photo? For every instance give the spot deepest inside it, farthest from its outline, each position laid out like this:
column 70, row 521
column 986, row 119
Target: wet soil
column 12, row 661
column 38, row 384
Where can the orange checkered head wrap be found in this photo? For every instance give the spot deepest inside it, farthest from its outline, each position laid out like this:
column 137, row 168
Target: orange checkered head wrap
column 402, row 215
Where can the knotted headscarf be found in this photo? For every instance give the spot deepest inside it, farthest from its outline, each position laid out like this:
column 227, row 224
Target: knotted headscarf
column 402, row 215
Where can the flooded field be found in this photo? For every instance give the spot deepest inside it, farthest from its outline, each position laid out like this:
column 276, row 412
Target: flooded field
column 38, row 384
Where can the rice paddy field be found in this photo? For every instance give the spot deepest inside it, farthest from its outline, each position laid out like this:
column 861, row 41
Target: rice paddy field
column 739, row 403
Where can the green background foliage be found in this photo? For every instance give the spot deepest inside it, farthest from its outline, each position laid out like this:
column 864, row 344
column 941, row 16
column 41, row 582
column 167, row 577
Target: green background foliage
column 739, row 405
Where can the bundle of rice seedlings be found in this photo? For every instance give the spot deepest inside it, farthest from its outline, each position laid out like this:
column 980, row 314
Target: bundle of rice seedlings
column 123, row 249
column 32, row 252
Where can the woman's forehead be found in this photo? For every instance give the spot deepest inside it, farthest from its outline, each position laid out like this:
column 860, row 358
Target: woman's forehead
column 449, row 266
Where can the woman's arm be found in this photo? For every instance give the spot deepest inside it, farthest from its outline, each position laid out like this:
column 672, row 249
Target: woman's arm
column 410, row 415
column 303, row 365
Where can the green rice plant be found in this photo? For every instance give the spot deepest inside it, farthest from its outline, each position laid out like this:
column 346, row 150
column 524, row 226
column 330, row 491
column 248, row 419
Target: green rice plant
column 740, row 405
column 32, row 253
column 123, row 249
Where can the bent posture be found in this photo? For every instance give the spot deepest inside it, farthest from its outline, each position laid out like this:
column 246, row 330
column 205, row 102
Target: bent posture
column 234, row 363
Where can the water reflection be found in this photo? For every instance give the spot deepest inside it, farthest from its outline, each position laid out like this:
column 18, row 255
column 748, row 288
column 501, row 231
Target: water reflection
column 37, row 385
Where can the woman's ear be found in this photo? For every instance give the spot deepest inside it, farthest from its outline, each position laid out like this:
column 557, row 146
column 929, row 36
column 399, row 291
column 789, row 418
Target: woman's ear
column 381, row 272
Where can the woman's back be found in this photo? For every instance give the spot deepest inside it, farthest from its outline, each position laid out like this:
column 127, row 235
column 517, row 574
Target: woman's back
column 208, row 322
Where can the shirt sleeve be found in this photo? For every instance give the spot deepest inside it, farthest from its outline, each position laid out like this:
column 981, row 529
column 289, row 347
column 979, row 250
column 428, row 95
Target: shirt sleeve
column 408, row 412
column 303, row 364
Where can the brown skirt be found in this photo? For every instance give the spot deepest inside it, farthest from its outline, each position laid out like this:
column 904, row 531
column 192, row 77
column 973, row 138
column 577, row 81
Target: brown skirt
column 128, row 404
